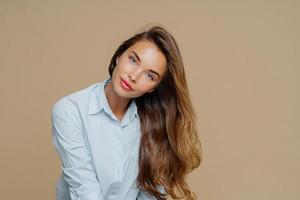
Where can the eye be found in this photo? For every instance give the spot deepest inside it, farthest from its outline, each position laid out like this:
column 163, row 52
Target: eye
column 132, row 59
column 149, row 75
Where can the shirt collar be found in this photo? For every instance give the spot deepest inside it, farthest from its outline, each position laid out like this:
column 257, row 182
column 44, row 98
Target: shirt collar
column 98, row 101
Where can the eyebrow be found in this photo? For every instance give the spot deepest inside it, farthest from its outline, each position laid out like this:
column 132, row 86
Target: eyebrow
column 151, row 70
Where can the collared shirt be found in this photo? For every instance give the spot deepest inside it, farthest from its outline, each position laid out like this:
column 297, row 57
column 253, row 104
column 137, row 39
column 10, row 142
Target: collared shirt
column 98, row 152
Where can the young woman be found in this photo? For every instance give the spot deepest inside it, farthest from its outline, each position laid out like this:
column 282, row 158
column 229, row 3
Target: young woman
column 133, row 135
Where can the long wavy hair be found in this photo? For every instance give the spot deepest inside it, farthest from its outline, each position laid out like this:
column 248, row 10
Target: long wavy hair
column 170, row 147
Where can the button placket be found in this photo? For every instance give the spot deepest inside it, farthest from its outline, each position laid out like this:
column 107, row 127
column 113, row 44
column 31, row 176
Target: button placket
column 119, row 152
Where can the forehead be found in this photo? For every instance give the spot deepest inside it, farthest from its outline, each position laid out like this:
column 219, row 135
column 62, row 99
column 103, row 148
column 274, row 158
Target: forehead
column 150, row 55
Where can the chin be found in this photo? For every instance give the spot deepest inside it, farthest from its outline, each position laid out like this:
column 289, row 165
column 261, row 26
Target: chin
column 120, row 91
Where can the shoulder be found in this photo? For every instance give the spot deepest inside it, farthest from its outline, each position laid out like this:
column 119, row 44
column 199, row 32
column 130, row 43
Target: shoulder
column 73, row 101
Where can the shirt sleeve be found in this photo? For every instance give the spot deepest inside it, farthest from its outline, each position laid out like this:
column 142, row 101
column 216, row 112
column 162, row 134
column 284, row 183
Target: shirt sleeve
column 77, row 165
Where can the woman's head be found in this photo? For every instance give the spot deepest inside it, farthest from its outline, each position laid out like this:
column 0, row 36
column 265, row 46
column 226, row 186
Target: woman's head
column 169, row 147
column 144, row 61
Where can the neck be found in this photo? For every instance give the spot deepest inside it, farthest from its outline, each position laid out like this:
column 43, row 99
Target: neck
column 118, row 105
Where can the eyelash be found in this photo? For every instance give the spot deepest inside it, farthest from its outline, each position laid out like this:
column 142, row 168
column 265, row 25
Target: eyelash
column 132, row 59
column 151, row 77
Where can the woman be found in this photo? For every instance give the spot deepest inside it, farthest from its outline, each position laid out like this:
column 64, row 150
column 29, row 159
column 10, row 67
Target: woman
column 133, row 135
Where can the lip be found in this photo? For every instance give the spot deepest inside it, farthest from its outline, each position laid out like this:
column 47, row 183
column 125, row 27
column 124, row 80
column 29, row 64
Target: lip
column 125, row 85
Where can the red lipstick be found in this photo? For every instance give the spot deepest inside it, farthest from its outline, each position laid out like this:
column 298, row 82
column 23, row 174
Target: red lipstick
column 125, row 85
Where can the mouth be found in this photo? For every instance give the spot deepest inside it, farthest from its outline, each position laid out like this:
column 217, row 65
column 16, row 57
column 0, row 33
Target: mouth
column 125, row 85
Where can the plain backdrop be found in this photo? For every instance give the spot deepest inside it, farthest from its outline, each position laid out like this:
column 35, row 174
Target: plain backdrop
column 242, row 65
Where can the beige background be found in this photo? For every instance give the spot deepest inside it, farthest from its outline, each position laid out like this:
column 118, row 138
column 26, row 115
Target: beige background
column 242, row 64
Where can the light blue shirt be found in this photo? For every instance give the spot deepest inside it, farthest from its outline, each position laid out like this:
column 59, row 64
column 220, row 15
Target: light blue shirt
column 98, row 152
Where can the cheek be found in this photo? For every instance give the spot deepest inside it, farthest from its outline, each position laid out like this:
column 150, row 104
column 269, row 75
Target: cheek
column 120, row 68
column 115, row 71
column 146, row 85
column 126, row 67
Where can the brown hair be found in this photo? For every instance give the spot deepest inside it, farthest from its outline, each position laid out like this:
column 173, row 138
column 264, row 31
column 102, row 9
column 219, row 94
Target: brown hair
column 170, row 148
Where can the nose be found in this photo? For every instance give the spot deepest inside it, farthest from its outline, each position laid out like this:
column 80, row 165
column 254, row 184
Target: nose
column 134, row 75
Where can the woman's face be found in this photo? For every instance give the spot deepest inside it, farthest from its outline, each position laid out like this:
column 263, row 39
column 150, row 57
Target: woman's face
column 142, row 66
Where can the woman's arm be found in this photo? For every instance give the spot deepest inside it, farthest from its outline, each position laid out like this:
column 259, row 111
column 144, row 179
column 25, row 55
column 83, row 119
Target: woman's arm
column 68, row 139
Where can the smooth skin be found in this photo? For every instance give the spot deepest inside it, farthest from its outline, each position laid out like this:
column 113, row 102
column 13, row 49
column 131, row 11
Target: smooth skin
column 143, row 66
